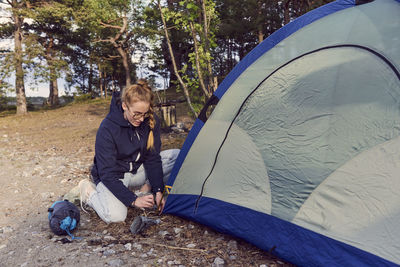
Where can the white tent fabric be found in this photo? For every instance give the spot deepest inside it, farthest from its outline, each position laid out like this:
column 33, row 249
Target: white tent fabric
column 302, row 150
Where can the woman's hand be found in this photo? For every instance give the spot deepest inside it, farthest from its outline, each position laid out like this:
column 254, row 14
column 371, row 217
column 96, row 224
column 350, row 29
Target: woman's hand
column 146, row 201
column 160, row 201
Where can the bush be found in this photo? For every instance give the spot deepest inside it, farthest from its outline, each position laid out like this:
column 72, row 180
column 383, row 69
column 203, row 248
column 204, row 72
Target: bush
column 82, row 98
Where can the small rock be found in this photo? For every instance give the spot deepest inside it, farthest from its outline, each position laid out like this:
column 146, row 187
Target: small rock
column 108, row 252
column 137, row 246
column 144, row 255
column 263, row 265
column 163, row 233
column 116, row 263
column 206, row 232
column 191, row 245
column 177, row 230
column 128, row 246
column 174, row 262
column 150, row 252
column 191, row 226
column 24, row 264
column 105, row 232
column 3, row 246
column 7, row 229
column 108, row 237
column 218, row 262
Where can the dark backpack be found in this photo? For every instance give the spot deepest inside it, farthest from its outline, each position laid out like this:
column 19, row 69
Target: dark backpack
column 63, row 218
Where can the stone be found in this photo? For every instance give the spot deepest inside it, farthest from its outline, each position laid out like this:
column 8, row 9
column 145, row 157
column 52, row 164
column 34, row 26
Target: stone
column 137, row 246
column 174, row 262
column 163, row 233
column 218, row 262
column 116, row 263
column 7, row 229
column 108, row 237
column 108, row 252
column 128, row 246
column 177, row 230
column 191, row 245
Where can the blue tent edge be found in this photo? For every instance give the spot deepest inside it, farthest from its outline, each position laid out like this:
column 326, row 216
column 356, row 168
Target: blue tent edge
column 286, row 240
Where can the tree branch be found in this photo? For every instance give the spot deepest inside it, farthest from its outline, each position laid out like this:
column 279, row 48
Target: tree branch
column 105, row 25
column 171, row 52
column 198, row 67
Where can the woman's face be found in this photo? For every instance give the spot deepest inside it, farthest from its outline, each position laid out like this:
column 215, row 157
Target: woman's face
column 136, row 112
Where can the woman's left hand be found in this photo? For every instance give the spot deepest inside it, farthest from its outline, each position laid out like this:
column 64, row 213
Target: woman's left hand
column 160, row 201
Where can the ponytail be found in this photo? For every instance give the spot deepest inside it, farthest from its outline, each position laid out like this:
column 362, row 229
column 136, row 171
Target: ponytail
column 152, row 122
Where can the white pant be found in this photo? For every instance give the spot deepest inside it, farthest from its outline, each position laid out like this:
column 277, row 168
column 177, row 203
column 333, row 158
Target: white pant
column 109, row 208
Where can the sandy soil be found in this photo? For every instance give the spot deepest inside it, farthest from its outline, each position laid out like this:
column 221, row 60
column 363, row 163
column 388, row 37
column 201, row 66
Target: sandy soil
column 45, row 154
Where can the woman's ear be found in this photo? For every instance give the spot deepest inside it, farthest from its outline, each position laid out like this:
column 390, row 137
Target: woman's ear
column 124, row 107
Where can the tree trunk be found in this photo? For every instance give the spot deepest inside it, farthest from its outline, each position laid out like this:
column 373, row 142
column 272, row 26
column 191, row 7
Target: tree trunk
column 53, row 95
column 125, row 63
column 184, row 86
column 259, row 27
column 53, row 86
column 198, row 67
column 101, row 84
column 90, row 81
column 211, row 85
column 286, row 14
column 19, row 71
column 122, row 52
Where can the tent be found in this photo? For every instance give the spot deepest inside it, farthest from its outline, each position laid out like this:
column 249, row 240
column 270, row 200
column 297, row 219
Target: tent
column 301, row 154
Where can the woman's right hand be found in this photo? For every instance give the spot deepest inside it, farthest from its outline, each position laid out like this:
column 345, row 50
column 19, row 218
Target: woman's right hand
column 146, row 201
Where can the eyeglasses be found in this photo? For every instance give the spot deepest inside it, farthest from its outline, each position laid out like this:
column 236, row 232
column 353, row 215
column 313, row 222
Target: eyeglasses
column 138, row 115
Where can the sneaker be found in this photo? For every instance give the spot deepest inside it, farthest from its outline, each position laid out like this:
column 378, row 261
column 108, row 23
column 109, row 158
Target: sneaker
column 73, row 195
column 86, row 189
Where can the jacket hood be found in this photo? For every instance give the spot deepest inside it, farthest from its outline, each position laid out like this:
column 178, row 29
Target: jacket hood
column 116, row 113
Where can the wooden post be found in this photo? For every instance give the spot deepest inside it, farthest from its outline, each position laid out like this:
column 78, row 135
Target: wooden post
column 168, row 115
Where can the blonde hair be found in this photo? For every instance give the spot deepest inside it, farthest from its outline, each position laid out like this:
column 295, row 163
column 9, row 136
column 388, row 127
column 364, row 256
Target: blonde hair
column 141, row 91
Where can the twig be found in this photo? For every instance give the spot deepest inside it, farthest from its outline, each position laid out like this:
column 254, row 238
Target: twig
column 172, row 247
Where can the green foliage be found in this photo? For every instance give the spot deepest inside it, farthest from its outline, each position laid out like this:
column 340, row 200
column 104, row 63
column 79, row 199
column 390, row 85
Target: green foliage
column 199, row 24
column 84, row 98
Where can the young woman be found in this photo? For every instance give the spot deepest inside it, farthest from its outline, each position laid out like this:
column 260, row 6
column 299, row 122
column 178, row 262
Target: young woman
column 128, row 157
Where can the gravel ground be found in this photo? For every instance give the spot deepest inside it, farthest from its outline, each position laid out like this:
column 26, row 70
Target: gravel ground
column 44, row 155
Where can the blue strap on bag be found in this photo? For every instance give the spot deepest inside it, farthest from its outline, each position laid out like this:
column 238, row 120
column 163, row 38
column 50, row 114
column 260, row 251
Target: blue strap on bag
column 63, row 217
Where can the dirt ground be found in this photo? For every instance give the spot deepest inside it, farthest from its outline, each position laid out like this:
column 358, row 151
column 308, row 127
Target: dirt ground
column 44, row 155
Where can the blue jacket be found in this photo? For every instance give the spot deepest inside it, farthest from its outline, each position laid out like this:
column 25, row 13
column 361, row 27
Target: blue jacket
column 118, row 144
